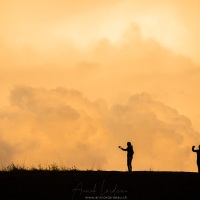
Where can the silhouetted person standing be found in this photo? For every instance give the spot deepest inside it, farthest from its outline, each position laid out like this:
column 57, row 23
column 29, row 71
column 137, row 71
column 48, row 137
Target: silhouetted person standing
column 198, row 157
column 130, row 153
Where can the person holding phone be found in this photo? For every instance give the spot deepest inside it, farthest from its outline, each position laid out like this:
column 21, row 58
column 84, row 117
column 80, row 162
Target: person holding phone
column 130, row 153
column 198, row 156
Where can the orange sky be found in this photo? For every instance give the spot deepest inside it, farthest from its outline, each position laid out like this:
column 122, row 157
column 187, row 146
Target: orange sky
column 82, row 77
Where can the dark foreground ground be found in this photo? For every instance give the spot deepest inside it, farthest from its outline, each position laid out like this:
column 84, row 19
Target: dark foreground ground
column 98, row 185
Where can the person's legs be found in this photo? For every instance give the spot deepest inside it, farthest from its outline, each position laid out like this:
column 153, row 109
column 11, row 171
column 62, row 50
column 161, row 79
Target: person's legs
column 129, row 161
column 198, row 165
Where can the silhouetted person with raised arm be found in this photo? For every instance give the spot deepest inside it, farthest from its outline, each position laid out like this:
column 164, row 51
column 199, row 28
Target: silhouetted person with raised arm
column 130, row 153
column 198, row 156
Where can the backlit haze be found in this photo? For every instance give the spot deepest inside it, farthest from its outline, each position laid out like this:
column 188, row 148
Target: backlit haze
column 79, row 78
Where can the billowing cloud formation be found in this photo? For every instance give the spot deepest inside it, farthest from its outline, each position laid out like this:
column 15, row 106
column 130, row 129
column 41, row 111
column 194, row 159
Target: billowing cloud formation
column 47, row 126
column 132, row 65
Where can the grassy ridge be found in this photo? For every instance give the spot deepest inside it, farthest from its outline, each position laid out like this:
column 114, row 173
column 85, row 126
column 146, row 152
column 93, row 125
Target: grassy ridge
column 75, row 184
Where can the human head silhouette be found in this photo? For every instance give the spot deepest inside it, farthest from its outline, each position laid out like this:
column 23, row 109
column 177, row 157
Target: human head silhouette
column 128, row 144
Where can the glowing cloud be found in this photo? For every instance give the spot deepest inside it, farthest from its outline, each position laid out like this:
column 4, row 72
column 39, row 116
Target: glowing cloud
column 116, row 53
column 63, row 124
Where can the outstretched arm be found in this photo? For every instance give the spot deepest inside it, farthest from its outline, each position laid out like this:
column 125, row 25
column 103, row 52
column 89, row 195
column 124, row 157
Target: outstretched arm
column 123, row 149
column 193, row 149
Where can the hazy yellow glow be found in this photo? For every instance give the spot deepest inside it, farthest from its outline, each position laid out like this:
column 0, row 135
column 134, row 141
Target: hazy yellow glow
column 79, row 78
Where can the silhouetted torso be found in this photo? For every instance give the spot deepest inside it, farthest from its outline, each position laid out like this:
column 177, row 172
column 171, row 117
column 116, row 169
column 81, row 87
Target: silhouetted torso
column 129, row 150
column 198, row 154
